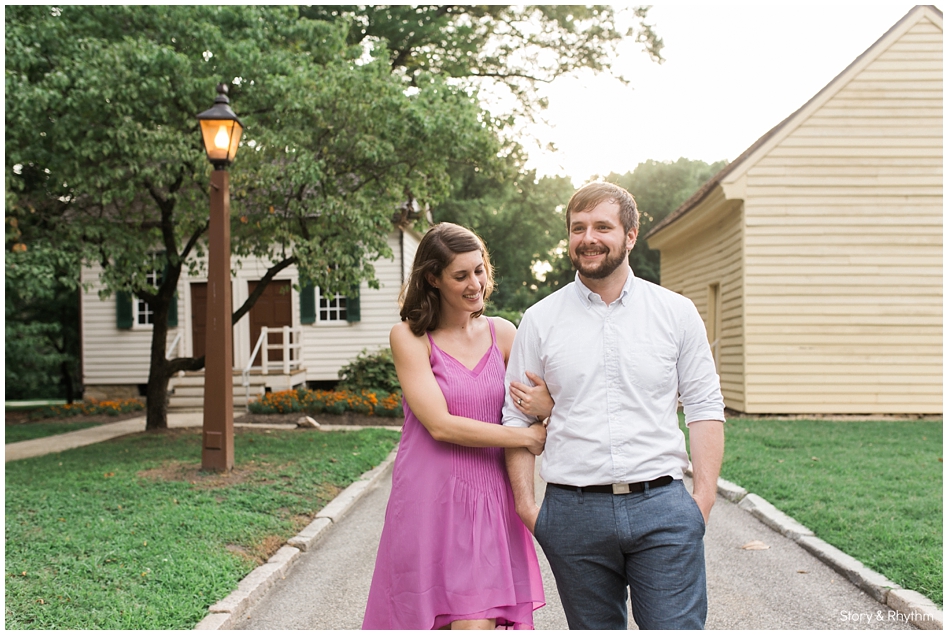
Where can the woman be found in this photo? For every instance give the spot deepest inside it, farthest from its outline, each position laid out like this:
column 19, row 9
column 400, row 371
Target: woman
column 454, row 553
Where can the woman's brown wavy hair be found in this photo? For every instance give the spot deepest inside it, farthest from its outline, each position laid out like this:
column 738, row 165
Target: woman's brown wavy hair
column 420, row 302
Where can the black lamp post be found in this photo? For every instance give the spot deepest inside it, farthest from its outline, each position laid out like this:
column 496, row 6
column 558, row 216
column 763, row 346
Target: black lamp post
column 221, row 132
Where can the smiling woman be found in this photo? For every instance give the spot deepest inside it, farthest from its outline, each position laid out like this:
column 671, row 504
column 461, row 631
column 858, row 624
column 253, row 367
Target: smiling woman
column 453, row 552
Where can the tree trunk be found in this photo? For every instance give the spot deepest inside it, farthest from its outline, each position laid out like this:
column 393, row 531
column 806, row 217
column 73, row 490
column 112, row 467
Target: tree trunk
column 156, row 394
column 156, row 403
column 66, row 380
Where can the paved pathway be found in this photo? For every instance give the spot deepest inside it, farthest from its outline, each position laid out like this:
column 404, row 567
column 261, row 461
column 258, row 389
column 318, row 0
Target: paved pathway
column 784, row 587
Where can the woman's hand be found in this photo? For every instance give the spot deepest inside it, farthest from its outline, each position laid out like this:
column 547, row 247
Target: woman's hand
column 534, row 401
column 536, row 438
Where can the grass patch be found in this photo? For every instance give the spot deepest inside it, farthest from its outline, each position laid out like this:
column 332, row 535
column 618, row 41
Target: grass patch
column 130, row 534
column 31, row 404
column 870, row 488
column 38, row 430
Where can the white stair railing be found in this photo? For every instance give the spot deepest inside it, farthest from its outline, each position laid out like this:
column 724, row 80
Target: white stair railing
column 174, row 343
column 292, row 358
column 245, row 375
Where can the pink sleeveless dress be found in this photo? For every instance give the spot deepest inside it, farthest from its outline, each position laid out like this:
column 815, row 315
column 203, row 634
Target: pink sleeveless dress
column 452, row 545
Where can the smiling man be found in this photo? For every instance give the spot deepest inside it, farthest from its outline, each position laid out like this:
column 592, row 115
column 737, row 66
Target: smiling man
column 617, row 353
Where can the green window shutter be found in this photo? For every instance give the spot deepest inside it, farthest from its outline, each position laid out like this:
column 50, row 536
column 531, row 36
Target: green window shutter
column 307, row 304
column 353, row 307
column 123, row 309
column 173, row 311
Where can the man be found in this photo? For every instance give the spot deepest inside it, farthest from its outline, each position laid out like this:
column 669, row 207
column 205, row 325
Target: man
column 616, row 354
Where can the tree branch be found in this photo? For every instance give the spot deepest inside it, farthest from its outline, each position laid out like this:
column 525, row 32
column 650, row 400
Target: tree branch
column 178, row 364
column 510, row 75
column 193, row 240
column 271, row 273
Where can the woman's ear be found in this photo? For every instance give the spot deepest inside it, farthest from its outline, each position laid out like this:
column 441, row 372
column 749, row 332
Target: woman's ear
column 431, row 280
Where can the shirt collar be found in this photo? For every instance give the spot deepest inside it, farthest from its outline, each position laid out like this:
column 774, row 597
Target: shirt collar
column 586, row 294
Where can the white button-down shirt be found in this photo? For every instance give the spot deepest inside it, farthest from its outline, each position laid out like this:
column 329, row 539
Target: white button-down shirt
column 615, row 373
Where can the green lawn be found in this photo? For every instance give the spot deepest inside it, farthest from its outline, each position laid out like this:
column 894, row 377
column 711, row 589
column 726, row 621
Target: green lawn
column 40, row 429
column 870, row 488
column 130, row 534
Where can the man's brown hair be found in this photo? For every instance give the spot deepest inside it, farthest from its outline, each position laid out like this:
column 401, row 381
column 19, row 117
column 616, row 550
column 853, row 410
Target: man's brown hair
column 592, row 194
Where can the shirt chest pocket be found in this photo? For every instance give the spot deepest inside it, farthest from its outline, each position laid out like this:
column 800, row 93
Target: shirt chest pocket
column 652, row 366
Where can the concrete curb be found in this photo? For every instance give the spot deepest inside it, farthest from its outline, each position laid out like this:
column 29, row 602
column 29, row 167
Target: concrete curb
column 875, row 584
column 907, row 606
column 918, row 609
column 731, row 491
column 224, row 614
column 773, row 517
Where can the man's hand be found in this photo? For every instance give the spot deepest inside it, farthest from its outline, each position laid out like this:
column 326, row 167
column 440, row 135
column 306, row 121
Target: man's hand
column 529, row 516
column 705, row 503
column 536, row 434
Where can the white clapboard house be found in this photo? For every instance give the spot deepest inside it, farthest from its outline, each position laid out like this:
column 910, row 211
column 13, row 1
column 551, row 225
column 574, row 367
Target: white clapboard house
column 288, row 338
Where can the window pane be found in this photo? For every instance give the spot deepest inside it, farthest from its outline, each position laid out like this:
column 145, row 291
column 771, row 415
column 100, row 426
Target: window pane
column 145, row 314
column 332, row 308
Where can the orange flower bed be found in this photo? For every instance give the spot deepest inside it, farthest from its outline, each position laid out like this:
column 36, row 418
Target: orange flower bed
column 331, row 401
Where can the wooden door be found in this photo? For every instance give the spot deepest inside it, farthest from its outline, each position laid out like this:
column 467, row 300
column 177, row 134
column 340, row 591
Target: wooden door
column 273, row 309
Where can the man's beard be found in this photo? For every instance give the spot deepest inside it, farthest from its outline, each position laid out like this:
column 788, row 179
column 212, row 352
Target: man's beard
column 605, row 268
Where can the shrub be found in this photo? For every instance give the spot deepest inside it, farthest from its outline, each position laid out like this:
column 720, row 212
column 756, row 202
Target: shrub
column 374, row 372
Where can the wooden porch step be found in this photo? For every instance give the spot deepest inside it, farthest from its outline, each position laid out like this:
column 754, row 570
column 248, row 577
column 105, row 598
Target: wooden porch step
column 187, row 390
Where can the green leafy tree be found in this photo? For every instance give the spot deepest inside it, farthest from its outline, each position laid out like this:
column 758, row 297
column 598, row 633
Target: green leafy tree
column 518, row 47
column 659, row 188
column 521, row 219
column 41, row 313
column 103, row 147
column 349, row 118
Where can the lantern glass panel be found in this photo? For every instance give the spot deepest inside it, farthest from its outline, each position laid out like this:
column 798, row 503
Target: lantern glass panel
column 221, row 137
column 235, row 135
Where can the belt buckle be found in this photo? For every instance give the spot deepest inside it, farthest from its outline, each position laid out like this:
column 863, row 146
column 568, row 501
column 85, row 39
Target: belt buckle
column 620, row 488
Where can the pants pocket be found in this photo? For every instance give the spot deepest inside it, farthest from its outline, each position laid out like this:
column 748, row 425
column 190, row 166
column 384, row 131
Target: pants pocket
column 696, row 511
column 538, row 526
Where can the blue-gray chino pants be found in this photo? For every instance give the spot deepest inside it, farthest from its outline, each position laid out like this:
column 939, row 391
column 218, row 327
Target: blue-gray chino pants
column 650, row 542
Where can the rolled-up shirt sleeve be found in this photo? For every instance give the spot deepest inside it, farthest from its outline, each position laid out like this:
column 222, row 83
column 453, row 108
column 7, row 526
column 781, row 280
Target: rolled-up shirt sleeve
column 523, row 357
column 699, row 386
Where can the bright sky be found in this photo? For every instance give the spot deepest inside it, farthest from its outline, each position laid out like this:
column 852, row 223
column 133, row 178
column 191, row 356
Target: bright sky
column 732, row 72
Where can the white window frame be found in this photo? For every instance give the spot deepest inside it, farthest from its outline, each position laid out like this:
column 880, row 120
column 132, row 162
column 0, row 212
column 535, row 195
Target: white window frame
column 140, row 308
column 334, row 314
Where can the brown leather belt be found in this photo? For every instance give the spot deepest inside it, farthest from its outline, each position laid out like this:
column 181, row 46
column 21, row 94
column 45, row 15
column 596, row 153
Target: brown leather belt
column 617, row 488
